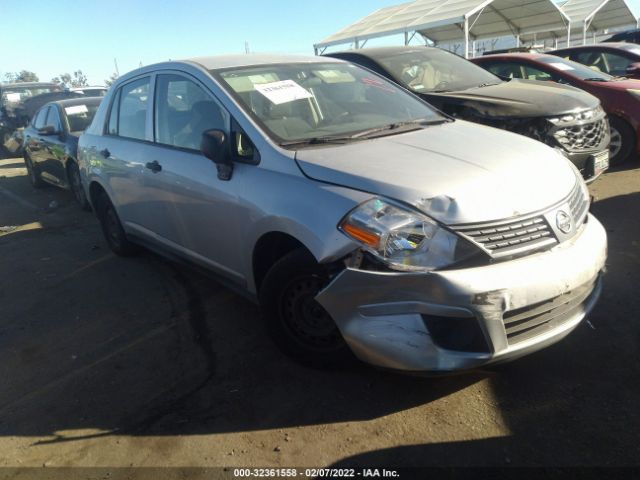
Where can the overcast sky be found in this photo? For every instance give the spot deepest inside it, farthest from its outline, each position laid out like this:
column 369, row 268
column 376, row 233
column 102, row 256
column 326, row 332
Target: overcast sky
column 54, row 37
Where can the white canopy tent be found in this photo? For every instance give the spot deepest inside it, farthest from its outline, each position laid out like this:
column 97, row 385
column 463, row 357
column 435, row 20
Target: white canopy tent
column 593, row 16
column 450, row 20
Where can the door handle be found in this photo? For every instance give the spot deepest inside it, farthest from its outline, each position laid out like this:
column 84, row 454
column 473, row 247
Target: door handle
column 154, row 166
column 105, row 153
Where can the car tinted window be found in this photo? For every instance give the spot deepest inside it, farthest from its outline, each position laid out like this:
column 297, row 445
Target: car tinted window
column 53, row 119
column 533, row 73
column 183, row 111
column 304, row 101
column 432, row 70
column 132, row 112
column 615, row 64
column 506, row 69
column 38, row 122
column 574, row 69
column 79, row 116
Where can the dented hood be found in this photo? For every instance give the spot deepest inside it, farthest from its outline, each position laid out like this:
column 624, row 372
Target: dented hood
column 518, row 98
column 455, row 172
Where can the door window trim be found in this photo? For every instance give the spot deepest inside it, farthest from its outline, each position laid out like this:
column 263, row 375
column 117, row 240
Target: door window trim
column 115, row 101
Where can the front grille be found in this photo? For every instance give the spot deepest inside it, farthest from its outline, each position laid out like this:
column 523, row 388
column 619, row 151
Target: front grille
column 582, row 138
column 510, row 237
column 527, row 322
column 578, row 203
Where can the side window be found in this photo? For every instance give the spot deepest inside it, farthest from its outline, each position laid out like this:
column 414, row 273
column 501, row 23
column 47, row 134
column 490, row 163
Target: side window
column 184, row 111
column 41, row 116
column 53, row 119
column 112, row 126
column 533, row 73
column 616, row 64
column 132, row 110
column 506, row 69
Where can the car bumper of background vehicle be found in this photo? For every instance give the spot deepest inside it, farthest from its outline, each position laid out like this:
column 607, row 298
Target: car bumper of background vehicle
column 386, row 317
column 586, row 163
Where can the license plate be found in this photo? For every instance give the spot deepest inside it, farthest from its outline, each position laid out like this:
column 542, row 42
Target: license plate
column 601, row 162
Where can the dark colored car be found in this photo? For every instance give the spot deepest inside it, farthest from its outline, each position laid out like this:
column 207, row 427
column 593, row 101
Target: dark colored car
column 12, row 98
column 617, row 59
column 631, row 36
column 561, row 116
column 619, row 98
column 51, row 143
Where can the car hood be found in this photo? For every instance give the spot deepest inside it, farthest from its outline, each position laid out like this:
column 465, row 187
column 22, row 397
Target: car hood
column 521, row 98
column 455, row 172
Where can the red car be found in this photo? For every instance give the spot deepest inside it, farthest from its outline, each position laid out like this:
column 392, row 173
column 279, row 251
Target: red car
column 620, row 98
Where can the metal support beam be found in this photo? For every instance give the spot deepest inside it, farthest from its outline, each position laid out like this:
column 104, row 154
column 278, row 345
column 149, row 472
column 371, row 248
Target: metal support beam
column 568, row 34
column 466, row 37
column 406, row 38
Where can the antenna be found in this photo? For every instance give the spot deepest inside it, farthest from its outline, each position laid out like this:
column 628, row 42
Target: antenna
column 115, row 62
column 246, row 47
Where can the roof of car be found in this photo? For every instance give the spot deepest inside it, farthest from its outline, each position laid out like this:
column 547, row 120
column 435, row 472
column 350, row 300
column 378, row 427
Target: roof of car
column 70, row 102
column 378, row 51
column 250, row 59
column 27, row 84
column 623, row 45
column 513, row 55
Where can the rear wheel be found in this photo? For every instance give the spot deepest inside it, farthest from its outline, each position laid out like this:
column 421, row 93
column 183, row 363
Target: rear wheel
column 298, row 324
column 73, row 174
column 112, row 228
column 33, row 172
column 622, row 141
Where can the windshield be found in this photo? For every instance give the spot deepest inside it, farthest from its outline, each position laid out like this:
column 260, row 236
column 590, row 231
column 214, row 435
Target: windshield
column 435, row 70
column 576, row 69
column 310, row 101
column 79, row 117
column 18, row 94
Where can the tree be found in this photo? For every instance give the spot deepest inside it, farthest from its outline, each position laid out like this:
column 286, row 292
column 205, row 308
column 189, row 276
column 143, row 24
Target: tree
column 79, row 79
column 23, row 76
column 109, row 81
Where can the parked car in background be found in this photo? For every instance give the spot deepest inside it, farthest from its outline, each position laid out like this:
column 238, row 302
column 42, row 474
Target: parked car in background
column 359, row 217
column 464, row 90
column 51, row 144
column 12, row 97
column 91, row 90
column 619, row 98
column 618, row 59
column 630, row 36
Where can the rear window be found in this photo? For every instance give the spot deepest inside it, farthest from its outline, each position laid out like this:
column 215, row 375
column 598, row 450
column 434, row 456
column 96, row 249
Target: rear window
column 79, row 117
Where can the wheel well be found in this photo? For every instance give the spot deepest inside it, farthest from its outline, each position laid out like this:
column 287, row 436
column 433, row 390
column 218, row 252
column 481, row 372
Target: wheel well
column 270, row 248
column 95, row 190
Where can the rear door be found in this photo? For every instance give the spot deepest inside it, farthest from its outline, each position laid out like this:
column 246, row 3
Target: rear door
column 32, row 139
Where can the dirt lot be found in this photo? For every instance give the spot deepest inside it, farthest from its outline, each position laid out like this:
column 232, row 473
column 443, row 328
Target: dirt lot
column 107, row 361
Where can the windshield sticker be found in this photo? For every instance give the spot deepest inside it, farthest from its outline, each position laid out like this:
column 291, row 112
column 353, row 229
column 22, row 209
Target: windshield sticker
column 284, row 91
column 562, row 66
column 76, row 110
column 13, row 97
column 374, row 82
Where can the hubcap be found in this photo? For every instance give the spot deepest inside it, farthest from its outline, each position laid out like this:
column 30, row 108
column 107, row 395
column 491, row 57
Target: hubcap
column 305, row 318
column 616, row 143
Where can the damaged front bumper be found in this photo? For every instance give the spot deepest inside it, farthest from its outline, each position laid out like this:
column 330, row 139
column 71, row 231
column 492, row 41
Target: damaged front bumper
column 452, row 320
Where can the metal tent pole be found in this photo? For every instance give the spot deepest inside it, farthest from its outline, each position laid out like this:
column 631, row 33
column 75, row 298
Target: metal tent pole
column 466, row 37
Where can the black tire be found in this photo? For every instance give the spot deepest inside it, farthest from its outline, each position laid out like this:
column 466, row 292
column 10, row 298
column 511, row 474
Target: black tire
column 33, row 172
column 622, row 141
column 112, row 228
column 75, row 183
column 298, row 324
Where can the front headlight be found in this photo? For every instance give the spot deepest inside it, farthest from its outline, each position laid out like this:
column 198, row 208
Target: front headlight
column 635, row 93
column 404, row 239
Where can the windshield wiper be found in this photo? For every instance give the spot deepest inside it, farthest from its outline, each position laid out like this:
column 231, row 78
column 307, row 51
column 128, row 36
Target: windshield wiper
column 338, row 140
column 392, row 128
column 596, row 79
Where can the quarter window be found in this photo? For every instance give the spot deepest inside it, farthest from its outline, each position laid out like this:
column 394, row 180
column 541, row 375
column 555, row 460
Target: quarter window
column 184, row 111
column 132, row 112
column 112, row 127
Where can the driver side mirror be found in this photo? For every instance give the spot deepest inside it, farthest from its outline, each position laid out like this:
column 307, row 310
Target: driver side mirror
column 634, row 69
column 214, row 146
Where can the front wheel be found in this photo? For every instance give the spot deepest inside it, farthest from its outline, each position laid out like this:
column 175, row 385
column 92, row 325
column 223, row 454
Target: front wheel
column 298, row 324
column 112, row 228
column 73, row 172
column 622, row 141
column 33, row 172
